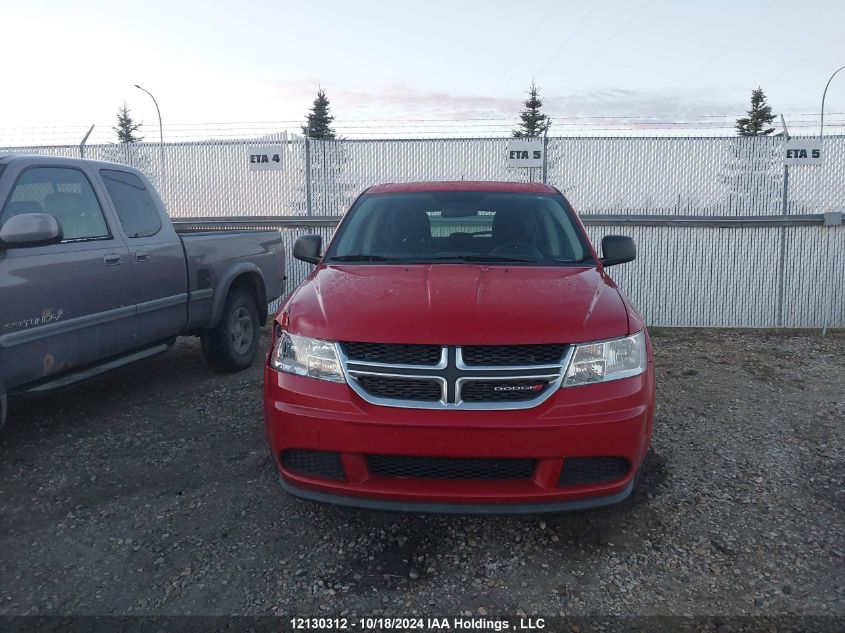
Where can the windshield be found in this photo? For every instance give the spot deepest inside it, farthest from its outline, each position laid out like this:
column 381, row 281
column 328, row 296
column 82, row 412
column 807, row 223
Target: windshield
column 449, row 226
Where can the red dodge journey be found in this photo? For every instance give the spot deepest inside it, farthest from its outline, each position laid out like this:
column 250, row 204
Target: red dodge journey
column 459, row 347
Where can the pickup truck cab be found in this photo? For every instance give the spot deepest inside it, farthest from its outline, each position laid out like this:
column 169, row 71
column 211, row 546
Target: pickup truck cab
column 93, row 276
column 460, row 348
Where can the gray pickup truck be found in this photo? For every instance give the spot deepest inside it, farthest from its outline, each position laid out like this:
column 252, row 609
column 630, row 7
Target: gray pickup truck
column 93, row 276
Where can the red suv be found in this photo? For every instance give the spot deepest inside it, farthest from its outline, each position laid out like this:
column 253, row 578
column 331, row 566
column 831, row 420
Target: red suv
column 460, row 348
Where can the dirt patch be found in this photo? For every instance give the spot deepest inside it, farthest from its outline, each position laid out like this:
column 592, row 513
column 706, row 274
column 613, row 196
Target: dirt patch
column 151, row 491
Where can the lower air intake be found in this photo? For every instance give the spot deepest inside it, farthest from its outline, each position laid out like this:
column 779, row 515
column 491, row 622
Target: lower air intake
column 579, row 471
column 324, row 464
column 450, row 467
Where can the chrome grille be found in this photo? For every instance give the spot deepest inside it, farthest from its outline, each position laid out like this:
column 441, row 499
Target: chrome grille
column 454, row 377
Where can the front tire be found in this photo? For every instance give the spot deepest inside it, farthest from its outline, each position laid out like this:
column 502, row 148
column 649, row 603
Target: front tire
column 233, row 343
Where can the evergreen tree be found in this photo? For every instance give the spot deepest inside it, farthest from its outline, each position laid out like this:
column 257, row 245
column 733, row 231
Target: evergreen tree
column 319, row 119
column 126, row 127
column 532, row 121
column 759, row 116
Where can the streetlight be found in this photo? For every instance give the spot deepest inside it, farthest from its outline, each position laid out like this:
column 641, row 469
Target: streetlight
column 821, row 131
column 824, row 94
column 162, row 183
column 160, row 129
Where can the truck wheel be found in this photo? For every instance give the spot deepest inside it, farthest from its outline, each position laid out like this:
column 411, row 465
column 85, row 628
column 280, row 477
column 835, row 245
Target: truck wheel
column 232, row 344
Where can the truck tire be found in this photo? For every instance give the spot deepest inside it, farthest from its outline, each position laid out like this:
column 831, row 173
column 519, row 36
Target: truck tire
column 233, row 343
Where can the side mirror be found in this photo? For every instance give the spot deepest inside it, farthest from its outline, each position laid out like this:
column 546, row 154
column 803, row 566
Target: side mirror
column 617, row 249
column 30, row 229
column 307, row 248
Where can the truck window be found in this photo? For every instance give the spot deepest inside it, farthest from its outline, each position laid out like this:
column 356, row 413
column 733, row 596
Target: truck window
column 134, row 205
column 448, row 226
column 64, row 193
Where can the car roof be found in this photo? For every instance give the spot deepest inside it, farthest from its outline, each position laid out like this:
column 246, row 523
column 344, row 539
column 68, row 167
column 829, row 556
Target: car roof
column 462, row 185
column 49, row 159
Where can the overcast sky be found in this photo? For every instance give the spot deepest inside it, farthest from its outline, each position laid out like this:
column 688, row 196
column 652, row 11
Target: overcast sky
column 73, row 62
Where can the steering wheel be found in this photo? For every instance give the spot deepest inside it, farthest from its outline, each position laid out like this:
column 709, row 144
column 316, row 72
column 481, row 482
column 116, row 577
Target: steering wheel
column 518, row 248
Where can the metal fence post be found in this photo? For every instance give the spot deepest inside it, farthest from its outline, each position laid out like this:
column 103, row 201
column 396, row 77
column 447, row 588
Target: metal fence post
column 782, row 255
column 308, row 209
column 785, row 207
column 323, row 167
column 82, row 143
column 545, row 155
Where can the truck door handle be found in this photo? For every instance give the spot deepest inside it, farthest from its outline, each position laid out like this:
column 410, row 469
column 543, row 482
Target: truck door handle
column 112, row 259
column 142, row 256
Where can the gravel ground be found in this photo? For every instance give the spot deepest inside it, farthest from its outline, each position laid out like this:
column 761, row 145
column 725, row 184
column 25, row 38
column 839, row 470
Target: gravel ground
column 151, row 491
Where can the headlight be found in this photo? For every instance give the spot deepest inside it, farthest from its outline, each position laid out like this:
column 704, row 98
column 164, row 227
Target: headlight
column 305, row 356
column 607, row 360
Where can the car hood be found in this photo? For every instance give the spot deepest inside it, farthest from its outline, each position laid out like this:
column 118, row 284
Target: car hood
column 457, row 304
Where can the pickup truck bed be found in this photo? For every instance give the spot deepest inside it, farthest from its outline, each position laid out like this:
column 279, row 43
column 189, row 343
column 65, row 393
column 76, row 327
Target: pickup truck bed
column 226, row 255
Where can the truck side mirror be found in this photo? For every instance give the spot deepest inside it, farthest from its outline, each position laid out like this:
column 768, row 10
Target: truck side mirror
column 307, row 248
column 617, row 249
column 30, row 229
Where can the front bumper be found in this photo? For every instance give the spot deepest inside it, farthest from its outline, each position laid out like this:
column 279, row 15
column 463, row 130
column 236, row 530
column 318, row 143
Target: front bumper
column 612, row 419
column 430, row 507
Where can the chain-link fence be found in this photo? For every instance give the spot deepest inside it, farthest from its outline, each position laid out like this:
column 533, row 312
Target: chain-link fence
column 754, row 275
column 721, row 176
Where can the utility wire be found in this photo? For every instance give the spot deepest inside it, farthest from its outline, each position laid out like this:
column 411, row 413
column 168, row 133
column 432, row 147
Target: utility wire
column 568, row 38
column 725, row 47
column 838, row 36
column 604, row 45
column 540, row 22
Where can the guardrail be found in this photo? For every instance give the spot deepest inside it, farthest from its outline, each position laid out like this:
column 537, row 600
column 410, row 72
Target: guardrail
column 594, row 219
column 693, row 270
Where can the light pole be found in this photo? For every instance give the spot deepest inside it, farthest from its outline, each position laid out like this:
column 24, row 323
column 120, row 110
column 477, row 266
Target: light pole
column 160, row 137
column 821, row 132
column 824, row 94
column 160, row 129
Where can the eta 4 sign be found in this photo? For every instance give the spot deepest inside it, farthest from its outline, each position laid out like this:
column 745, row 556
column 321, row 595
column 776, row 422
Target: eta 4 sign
column 266, row 157
column 803, row 151
column 525, row 152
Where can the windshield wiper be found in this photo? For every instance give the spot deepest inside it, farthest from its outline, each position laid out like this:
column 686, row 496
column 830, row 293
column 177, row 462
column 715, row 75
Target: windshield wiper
column 361, row 257
column 490, row 258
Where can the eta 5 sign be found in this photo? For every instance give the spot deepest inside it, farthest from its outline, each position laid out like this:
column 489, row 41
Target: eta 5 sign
column 525, row 152
column 803, row 151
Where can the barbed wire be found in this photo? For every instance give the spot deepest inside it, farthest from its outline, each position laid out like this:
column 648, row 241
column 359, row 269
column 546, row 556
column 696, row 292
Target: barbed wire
column 575, row 125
